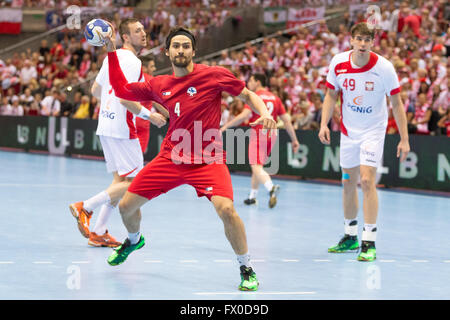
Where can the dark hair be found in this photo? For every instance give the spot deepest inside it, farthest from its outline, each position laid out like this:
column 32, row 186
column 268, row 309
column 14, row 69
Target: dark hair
column 180, row 31
column 363, row 29
column 260, row 77
column 124, row 27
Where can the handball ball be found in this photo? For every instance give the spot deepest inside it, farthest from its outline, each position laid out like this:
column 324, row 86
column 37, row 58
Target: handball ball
column 94, row 29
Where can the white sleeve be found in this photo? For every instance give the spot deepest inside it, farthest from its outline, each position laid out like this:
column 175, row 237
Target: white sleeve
column 390, row 80
column 331, row 76
column 103, row 76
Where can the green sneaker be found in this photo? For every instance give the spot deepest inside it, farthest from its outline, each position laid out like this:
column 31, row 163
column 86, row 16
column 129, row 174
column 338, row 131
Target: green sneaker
column 346, row 244
column 120, row 254
column 368, row 251
column 249, row 282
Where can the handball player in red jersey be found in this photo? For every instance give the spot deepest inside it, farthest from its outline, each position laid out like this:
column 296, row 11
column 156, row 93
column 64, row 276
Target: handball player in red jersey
column 191, row 152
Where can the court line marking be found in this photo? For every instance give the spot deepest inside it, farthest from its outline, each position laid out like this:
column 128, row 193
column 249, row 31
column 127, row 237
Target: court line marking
column 257, row 260
column 153, row 261
column 446, row 261
column 321, row 260
column 255, row 293
column 6, row 262
column 80, row 262
column 188, row 261
column 290, row 260
column 43, row 262
column 226, row 260
column 420, row 261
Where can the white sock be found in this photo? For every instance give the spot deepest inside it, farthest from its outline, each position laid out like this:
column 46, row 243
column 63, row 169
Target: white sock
column 134, row 237
column 103, row 216
column 92, row 203
column 253, row 193
column 369, row 232
column 268, row 185
column 351, row 227
column 244, row 260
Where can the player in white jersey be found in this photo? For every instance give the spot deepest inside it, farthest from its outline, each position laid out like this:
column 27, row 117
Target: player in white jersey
column 362, row 79
column 117, row 132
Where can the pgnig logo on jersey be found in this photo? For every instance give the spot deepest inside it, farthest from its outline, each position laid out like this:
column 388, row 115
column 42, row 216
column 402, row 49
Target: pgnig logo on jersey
column 108, row 114
column 360, row 109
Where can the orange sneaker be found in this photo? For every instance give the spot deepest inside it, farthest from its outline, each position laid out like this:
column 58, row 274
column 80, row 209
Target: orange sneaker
column 82, row 216
column 105, row 240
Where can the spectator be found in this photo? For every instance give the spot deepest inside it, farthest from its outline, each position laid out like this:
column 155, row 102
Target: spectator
column 444, row 123
column 50, row 105
column 83, row 111
column 302, row 120
column 422, row 116
column 27, row 73
column 16, row 108
column 67, row 108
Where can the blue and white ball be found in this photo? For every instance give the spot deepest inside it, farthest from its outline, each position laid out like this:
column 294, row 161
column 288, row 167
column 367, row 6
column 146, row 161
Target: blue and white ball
column 94, row 30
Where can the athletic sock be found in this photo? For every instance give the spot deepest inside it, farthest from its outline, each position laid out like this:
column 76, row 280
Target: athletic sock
column 244, row 260
column 92, row 203
column 134, row 237
column 369, row 232
column 253, row 193
column 103, row 216
column 351, row 227
column 268, row 185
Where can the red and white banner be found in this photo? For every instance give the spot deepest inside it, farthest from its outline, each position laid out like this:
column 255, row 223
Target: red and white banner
column 10, row 20
column 304, row 15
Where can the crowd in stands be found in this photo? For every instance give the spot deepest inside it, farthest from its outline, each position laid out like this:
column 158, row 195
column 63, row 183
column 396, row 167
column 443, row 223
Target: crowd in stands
column 415, row 40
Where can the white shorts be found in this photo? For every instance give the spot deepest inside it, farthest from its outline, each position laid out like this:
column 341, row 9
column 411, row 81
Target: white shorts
column 123, row 156
column 366, row 150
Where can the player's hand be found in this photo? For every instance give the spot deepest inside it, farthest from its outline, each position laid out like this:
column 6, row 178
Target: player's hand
column 158, row 119
column 295, row 146
column 267, row 122
column 403, row 150
column 324, row 135
column 222, row 130
column 110, row 41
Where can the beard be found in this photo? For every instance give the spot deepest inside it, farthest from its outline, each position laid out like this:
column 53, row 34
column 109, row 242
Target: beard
column 181, row 61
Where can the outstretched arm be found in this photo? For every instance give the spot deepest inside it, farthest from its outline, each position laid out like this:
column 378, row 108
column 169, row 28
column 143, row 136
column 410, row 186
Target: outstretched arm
column 241, row 117
column 136, row 91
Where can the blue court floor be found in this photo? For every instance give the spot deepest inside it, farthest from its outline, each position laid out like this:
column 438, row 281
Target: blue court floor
column 186, row 256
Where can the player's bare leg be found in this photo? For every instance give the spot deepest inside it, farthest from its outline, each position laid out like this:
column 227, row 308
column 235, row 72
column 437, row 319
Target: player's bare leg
column 370, row 208
column 235, row 233
column 260, row 176
column 130, row 212
column 107, row 200
column 349, row 242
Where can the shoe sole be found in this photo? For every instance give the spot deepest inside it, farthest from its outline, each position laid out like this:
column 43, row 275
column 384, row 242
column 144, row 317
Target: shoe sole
column 366, row 260
column 252, row 204
column 116, row 264
column 76, row 215
column 346, row 251
column 98, row 245
column 248, row 289
column 273, row 198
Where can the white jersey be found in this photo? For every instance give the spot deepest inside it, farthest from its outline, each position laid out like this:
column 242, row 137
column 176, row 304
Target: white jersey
column 114, row 120
column 363, row 92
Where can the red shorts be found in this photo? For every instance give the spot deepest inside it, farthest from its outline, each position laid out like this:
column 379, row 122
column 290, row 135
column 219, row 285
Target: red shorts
column 260, row 146
column 143, row 132
column 161, row 175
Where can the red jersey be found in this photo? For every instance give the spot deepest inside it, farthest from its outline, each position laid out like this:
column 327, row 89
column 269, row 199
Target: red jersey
column 273, row 104
column 194, row 105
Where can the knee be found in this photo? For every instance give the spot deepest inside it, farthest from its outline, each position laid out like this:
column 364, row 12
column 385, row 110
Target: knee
column 125, row 208
column 367, row 184
column 226, row 211
column 349, row 185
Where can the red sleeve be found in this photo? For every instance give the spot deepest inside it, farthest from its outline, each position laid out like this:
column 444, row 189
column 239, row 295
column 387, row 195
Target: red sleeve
column 136, row 91
column 228, row 82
